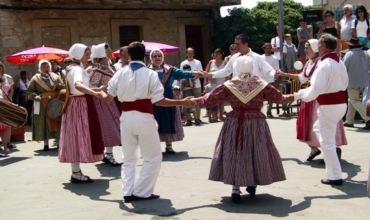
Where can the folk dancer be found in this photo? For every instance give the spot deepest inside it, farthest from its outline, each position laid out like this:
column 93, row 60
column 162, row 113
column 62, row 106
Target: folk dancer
column 245, row 154
column 328, row 86
column 108, row 113
column 138, row 87
column 44, row 86
column 307, row 111
column 80, row 137
column 168, row 118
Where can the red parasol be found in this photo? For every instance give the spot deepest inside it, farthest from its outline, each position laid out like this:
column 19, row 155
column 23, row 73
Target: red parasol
column 32, row 55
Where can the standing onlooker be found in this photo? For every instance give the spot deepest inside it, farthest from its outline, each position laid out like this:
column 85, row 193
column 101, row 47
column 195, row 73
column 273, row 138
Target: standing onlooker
column 304, row 33
column 366, row 93
column 330, row 26
column 187, row 86
column 22, row 85
column 360, row 26
column 290, row 53
column 212, row 111
column 232, row 50
column 275, row 43
column 6, row 92
column 124, row 58
column 195, row 65
column 216, row 64
column 346, row 23
column 274, row 62
column 357, row 64
column 55, row 68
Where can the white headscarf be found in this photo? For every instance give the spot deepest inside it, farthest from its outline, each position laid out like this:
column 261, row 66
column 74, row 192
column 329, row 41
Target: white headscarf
column 154, row 51
column 243, row 67
column 314, row 43
column 44, row 61
column 77, row 51
column 98, row 51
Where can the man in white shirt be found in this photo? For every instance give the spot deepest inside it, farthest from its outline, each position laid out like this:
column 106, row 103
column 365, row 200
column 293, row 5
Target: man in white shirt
column 346, row 23
column 138, row 88
column 124, row 58
column 274, row 62
column 195, row 65
column 328, row 86
column 260, row 67
column 275, row 42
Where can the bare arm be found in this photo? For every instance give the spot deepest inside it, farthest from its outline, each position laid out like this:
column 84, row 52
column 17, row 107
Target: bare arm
column 86, row 90
column 289, row 75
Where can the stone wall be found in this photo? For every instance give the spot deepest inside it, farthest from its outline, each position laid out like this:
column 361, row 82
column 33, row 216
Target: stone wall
column 21, row 30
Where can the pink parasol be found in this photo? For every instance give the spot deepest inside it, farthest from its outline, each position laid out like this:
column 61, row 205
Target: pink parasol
column 32, row 55
column 149, row 46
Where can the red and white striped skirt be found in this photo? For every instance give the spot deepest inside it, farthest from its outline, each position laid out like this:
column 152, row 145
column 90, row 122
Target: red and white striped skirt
column 75, row 141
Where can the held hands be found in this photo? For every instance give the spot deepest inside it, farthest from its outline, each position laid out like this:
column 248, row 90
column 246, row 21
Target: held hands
column 189, row 102
column 288, row 98
column 38, row 98
column 100, row 94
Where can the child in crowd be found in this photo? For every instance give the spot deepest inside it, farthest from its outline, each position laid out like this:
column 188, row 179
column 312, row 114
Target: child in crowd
column 211, row 111
column 187, row 86
column 290, row 53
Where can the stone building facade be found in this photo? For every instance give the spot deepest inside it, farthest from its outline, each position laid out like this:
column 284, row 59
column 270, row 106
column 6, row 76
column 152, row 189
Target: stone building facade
column 26, row 24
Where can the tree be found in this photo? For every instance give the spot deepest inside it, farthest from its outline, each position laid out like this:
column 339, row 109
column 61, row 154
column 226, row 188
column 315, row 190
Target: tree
column 259, row 23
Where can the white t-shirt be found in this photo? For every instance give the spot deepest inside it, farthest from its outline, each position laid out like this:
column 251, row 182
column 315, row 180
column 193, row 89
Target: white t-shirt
column 345, row 28
column 195, row 65
column 361, row 29
column 23, row 86
column 272, row 60
column 275, row 42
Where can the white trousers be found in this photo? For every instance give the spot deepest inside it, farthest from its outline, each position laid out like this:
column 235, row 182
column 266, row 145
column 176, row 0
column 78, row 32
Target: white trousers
column 139, row 130
column 325, row 128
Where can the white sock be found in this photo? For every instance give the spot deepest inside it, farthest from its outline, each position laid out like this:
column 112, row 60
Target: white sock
column 109, row 150
column 236, row 190
column 314, row 150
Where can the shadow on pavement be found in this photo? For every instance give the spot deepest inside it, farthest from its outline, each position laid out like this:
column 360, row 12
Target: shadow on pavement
column 92, row 190
column 53, row 151
column 180, row 156
column 109, row 171
column 4, row 161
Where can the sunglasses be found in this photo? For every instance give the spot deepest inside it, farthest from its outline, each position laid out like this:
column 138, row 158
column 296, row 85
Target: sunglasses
column 360, row 11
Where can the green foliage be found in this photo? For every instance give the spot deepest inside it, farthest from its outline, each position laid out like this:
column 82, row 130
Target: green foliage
column 259, row 23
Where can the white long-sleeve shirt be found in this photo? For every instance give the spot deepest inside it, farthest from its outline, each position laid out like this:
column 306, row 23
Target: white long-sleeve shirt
column 130, row 85
column 260, row 67
column 329, row 77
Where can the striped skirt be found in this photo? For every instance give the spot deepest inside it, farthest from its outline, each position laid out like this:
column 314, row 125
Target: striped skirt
column 306, row 119
column 75, row 142
column 245, row 154
column 109, row 122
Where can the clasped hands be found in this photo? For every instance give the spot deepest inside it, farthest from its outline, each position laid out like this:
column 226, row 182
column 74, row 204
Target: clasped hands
column 189, row 102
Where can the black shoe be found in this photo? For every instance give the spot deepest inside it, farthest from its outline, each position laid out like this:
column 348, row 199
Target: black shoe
column 83, row 179
column 312, row 156
column 197, row 122
column 135, row 198
column 251, row 190
column 269, row 115
column 332, row 182
column 367, row 126
column 46, row 147
column 111, row 161
column 339, row 153
column 348, row 125
column 188, row 123
column 236, row 198
column 170, row 151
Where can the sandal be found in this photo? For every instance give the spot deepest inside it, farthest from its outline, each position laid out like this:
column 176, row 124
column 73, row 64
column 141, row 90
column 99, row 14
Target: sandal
column 109, row 159
column 81, row 179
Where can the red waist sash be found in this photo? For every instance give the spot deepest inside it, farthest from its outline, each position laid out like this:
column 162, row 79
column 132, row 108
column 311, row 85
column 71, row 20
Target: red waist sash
column 332, row 98
column 140, row 105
